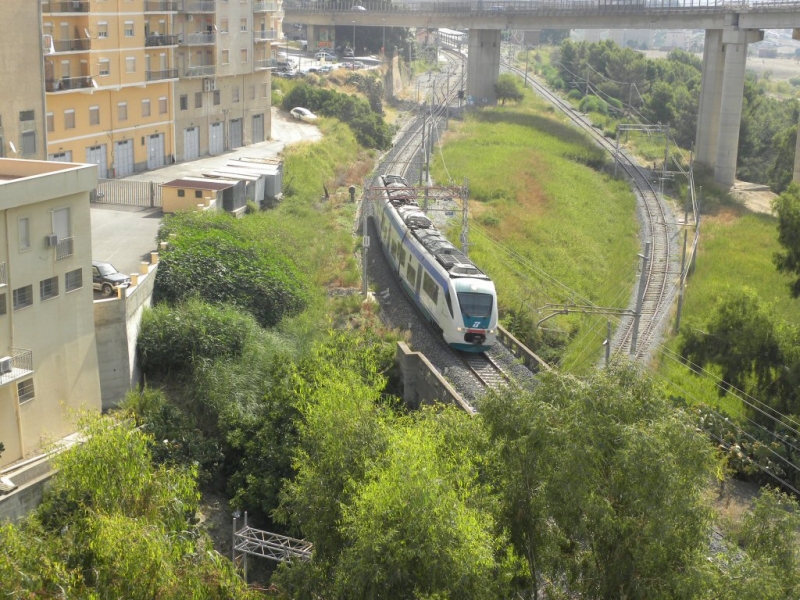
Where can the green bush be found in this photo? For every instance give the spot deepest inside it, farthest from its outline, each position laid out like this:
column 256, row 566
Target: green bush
column 593, row 104
column 575, row 94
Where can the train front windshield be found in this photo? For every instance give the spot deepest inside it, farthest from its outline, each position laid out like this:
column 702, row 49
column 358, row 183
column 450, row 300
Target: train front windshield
column 475, row 305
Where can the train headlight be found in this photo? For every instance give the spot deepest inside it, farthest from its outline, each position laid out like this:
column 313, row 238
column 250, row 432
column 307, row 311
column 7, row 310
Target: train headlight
column 490, row 331
column 459, row 329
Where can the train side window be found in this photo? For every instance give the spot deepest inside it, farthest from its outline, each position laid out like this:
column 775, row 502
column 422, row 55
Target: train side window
column 449, row 303
column 402, row 256
column 419, row 279
column 411, row 274
column 430, row 287
column 394, row 248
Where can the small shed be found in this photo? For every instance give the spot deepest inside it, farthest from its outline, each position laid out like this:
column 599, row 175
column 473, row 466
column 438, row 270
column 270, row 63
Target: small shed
column 235, row 200
column 194, row 194
column 273, row 169
column 250, row 180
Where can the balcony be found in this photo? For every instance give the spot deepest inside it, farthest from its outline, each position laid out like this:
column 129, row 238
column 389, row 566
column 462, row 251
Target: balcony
column 160, row 6
column 200, row 6
column 158, row 75
column 65, row 248
column 157, row 39
column 265, row 63
column 200, row 71
column 68, row 83
column 21, row 365
column 197, row 39
column 264, row 7
column 265, row 36
column 71, row 45
column 71, row 6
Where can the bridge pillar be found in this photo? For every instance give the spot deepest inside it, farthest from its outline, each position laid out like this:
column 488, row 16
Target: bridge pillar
column 710, row 99
column 734, row 42
column 483, row 64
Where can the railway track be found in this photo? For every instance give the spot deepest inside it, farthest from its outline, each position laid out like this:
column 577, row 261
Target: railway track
column 662, row 271
column 485, row 369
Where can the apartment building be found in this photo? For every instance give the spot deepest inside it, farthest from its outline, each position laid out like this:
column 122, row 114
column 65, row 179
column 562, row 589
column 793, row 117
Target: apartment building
column 223, row 95
column 48, row 354
column 22, row 101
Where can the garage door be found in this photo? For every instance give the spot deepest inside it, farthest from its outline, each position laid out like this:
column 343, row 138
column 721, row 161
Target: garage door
column 155, row 151
column 258, row 128
column 236, row 133
column 123, row 158
column 191, row 143
column 97, row 155
column 216, row 139
column 60, row 157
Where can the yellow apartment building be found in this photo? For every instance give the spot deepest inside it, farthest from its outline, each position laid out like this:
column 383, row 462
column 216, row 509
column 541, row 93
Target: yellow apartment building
column 48, row 353
column 109, row 67
column 22, row 104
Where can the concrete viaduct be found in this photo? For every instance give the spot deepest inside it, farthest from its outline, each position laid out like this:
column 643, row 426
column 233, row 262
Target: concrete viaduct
column 729, row 27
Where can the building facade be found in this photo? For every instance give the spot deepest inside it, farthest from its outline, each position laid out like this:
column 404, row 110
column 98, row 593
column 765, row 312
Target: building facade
column 48, row 353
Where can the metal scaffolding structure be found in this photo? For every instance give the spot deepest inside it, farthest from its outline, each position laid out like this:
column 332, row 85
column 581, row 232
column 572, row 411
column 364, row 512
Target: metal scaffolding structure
column 255, row 542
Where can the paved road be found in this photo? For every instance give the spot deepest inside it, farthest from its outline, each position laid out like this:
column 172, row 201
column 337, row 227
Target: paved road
column 125, row 235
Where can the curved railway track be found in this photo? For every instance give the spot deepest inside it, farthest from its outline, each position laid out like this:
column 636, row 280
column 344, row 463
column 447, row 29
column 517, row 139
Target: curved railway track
column 662, row 271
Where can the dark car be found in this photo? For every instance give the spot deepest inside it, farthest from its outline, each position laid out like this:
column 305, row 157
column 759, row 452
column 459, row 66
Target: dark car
column 106, row 279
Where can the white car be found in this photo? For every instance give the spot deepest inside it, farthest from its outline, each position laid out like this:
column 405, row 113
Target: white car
column 359, row 8
column 302, row 114
column 326, row 56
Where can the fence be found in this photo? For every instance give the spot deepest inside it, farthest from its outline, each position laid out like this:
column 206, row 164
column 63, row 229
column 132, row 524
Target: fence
column 129, row 193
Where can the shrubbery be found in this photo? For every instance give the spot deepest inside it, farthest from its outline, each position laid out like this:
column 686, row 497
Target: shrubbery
column 593, row 104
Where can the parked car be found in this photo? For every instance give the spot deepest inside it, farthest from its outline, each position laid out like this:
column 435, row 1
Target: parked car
column 325, row 55
column 359, row 8
column 348, row 53
column 303, row 114
column 106, row 279
column 352, row 65
column 321, row 69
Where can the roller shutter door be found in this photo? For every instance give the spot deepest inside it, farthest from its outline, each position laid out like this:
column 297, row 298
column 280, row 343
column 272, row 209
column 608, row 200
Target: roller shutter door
column 216, row 139
column 191, row 143
column 258, row 128
column 236, row 133
column 155, row 151
column 123, row 158
column 97, row 155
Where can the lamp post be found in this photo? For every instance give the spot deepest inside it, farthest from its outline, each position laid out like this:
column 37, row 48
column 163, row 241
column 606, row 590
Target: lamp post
column 354, row 45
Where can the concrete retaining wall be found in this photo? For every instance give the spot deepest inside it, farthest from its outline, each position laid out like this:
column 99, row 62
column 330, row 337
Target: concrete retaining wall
column 31, row 481
column 422, row 383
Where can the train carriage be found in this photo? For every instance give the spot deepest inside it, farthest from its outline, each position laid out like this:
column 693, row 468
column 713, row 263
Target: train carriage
column 453, row 294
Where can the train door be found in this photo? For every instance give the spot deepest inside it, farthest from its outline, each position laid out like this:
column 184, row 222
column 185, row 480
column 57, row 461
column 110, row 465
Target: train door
column 411, row 273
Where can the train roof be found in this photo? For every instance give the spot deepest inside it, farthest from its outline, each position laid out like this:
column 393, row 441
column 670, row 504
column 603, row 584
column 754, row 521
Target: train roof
column 402, row 198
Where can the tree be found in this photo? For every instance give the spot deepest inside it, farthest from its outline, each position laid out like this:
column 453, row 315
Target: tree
column 787, row 207
column 508, row 88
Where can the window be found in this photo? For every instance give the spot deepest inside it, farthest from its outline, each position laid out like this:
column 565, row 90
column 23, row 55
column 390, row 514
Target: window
column 181, row 193
column 24, row 228
column 130, row 64
column 411, row 273
column 252, row 92
column 162, row 105
column 105, row 67
column 223, row 26
column 25, row 390
column 198, row 99
column 128, row 28
column 225, row 58
column 243, row 55
column 184, row 101
column 69, row 119
column 430, row 287
column 3, row 307
column 50, row 122
column 146, row 107
column 243, row 25
column 94, row 115
column 235, row 93
column 62, row 222
column 48, row 288
column 28, row 142
column 73, row 280
column 198, row 193
column 23, row 297
column 216, row 98
column 264, row 90
column 402, row 256
column 122, row 111
column 26, row 115
column 102, row 29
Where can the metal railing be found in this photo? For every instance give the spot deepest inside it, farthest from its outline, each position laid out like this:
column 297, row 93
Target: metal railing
column 21, row 365
column 72, row 45
column 201, row 6
column 65, row 248
column 158, row 39
column 67, row 83
column 197, row 38
column 164, row 74
column 200, row 71
column 265, row 63
column 71, row 6
column 161, row 6
column 264, row 36
column 262, row 7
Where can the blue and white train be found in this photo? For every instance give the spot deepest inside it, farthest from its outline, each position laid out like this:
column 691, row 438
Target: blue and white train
column 454, row 295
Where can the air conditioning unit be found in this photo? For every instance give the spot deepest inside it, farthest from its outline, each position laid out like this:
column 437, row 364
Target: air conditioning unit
column 190, row 17
column 6, row 364
column 51, row 240
column 209, row 85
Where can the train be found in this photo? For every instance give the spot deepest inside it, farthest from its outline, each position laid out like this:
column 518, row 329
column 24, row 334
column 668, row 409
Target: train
column 455, row 296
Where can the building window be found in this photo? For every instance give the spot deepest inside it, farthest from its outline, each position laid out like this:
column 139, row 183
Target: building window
column 223, row 26
column 122, row 111
column 48, row 288
column 130, row 64
column 252, row 92
column 162, row 105
column 23, row 297
column 26, row 115
column 225, row 58
column 51, row 125
column 243, row 25
column 28, row 142
column 105, row 67
column 24, row 228
column 94, row 115
column 243, row 55
column 181, row 193
column 128, row 28
column 3, row 305
column 264, row 90
column 25, row 390
column 198, row 99
column 102, row 29
column 69, row 119
column 73, row 280
column 146, row 107
column 235, row 93
column 184, row 100
column 198, row 193
column 216, row 98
